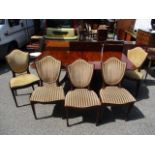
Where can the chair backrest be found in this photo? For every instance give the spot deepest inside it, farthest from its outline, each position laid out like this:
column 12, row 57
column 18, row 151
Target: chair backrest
column 80, row 73
column 18, row 61
column 113, row 71
column 137, row 56
column 48, row 69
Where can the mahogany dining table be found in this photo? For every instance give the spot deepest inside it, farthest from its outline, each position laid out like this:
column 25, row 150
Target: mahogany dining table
column 94, row 57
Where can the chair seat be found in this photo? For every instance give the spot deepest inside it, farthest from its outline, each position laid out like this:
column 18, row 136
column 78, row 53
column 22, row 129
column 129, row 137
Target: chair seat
column 134, row 74
column 81, row 98
column 47, row 93
column 115, row 95
column 23, row 80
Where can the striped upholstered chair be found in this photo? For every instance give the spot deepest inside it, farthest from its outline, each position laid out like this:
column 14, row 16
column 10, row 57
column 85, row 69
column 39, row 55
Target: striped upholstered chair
column 19, row 64
column 48, row 69
column 137, row 56
column 80, row 73
column 112, row 93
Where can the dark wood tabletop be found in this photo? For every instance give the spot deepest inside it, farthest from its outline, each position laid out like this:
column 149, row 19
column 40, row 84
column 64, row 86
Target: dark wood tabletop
column 94, row 57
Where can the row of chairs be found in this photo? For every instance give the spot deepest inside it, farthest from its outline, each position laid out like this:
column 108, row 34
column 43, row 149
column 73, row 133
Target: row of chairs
column 80, row 74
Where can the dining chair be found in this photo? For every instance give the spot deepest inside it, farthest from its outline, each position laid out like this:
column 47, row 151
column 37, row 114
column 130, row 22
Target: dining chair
column 137, row 56
column 112, row 93
column 18, row 62
column 48, row 69
column 81, row 97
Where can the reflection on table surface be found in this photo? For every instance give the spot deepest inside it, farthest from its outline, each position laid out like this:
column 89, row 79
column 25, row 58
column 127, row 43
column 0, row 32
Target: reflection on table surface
column 95, row 57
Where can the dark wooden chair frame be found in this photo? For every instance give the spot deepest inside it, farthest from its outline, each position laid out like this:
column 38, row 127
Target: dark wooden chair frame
column 97, row 108
column 41, row 84
column 14, row 90
column 130, row 104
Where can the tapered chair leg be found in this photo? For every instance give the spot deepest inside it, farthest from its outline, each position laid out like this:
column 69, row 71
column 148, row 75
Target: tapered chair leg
column 138, row 86
column 148, row 68
column 15, row 92
column 129, row 109
column 66, row 109
column 39, row 83
column 33, row 87
column 33, row 109
column 14, row 97
column 97, row 115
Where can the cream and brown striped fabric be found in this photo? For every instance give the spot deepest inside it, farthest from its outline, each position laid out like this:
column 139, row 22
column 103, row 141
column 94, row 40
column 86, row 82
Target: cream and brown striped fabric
column 113, row 71
column 80, row 72
column 81, row 98
column 23, row 80
column 137, row 56
column 47, row 93
column 48, row 69
column 115, row 95
column 18, row 61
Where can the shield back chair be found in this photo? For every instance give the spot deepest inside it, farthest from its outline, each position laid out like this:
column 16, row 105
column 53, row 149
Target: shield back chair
column 18, row 62
column 80, row 97
column 48, row 69
column 112, row 93
column 137, row 56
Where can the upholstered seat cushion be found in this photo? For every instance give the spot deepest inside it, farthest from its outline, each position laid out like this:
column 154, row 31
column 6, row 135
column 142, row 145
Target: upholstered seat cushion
column 23, row 80
column 81, row 98
column 134, row 74
column 47, row 93
column 115, row 95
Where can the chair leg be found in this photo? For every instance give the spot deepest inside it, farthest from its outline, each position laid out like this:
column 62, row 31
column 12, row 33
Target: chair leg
column 15, row 92
column 38, row 83
column 14, row 97
column 33, row 87
column 146, row 74
column 66, row 109
column 97, row 115
column 129, row 109
column 148, row 68
column 33, row 109
column 137, row 87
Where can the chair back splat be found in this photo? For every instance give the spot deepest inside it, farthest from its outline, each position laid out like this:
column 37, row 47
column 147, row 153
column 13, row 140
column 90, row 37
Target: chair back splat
column 113, row 71
column 18, row 61
column 80, row 73
column 137, row 56
column 48, row 69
